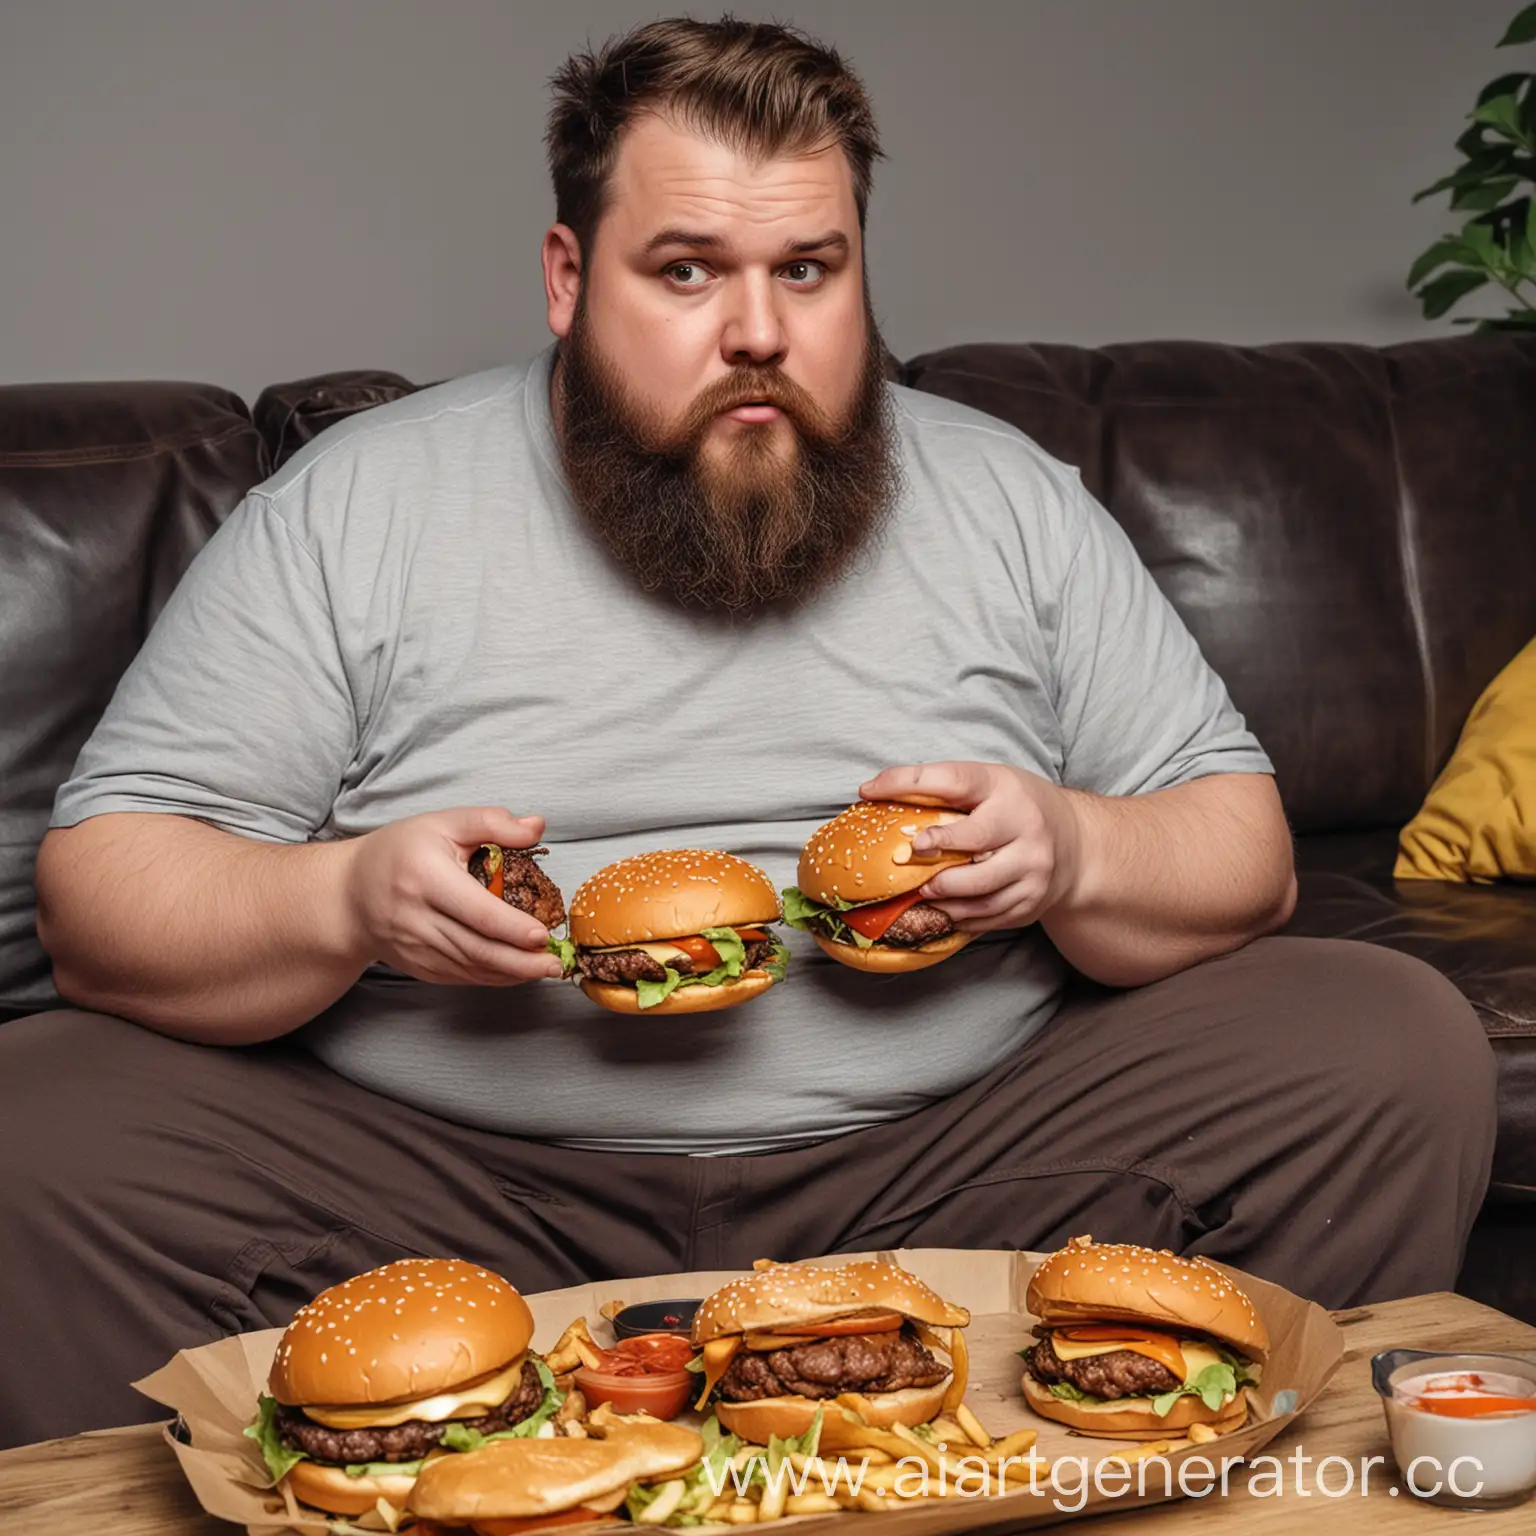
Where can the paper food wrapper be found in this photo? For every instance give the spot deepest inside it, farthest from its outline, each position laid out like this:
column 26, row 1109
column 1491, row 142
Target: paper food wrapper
column 214, row 1390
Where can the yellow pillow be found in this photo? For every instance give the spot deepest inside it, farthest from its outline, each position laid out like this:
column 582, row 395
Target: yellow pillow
column 1478, row 821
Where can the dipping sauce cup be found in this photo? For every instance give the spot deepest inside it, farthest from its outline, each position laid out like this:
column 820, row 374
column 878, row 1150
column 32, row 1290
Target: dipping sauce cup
column 645, row 1373
column 1463, row 1427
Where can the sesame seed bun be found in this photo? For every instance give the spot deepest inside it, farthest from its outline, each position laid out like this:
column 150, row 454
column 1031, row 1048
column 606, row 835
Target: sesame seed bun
column 787, row 1416
column 782, row 1295
column 404, row 1331
column 1133, row 1418
column 522, row 1479
column 670, row 894
column 1101, row 1282
column 886, row 959
column 727, row 994
column 865, row 854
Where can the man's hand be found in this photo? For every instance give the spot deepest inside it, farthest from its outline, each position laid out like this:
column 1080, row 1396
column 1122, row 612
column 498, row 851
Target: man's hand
column 1021, row 831
column 415, row 906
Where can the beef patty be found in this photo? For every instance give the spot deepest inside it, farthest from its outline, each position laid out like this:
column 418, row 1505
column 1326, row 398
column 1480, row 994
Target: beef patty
column 401, row 1442
column 620, row 967
column 523, row 884
column 1123, row 1373
column 855, row 1362
column 919, row 924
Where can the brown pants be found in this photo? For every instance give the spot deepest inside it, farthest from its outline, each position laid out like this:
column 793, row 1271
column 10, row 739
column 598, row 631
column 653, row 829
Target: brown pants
column 1320, row 1113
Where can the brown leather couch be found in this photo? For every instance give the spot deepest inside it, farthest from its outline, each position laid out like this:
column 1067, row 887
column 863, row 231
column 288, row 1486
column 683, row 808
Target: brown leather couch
column 1349, row 532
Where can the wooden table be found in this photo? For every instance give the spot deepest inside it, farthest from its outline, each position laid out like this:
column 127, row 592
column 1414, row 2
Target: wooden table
column 125, row 1482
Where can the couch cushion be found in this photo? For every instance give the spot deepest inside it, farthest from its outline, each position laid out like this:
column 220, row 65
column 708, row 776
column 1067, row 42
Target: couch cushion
column 1481, row 936
column 106, row 493
column 1346, row 531
column 290, row 415
column 1479, row 821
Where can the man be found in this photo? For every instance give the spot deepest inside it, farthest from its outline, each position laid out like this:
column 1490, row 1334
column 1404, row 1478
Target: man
column 699, row 577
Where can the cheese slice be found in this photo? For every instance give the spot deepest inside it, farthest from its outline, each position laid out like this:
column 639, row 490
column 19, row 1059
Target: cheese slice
column 658, row 951
column 769, row 1341
column 467, row 1403
column 1194, row 1356
column 718, row 1354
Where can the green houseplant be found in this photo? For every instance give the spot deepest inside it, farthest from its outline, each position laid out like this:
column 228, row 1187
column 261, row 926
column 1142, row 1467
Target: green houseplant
column 1495, row 184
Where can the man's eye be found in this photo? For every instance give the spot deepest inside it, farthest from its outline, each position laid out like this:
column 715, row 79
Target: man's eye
column 688, row 274
column 805, row 274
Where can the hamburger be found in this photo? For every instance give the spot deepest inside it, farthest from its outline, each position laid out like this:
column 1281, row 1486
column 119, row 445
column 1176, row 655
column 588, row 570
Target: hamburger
column 791, row 1339
column 513, row 875
column 1134, row 1342
column 525, row 1485
column 685, row 930
column 381, row 1375
column 858, row 882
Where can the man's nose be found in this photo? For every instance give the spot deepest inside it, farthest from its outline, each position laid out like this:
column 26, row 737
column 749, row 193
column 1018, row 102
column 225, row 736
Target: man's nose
column 753, row 331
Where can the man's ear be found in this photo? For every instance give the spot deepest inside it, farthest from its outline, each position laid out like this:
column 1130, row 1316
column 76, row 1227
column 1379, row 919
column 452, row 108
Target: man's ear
column 562, row 277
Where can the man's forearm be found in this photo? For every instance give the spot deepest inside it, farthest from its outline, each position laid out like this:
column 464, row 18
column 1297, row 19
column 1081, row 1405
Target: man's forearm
column 192, row 931
column 1173, row 877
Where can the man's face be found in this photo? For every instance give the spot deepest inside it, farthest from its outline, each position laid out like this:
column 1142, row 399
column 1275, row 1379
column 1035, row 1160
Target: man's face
column 724, row 418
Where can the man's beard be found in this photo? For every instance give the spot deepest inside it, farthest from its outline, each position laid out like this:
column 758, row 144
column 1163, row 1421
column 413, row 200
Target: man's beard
column 751, row 524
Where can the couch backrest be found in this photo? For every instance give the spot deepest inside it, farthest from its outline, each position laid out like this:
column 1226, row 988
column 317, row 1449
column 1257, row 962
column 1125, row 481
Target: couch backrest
column 106, row 493
column 1349, row 532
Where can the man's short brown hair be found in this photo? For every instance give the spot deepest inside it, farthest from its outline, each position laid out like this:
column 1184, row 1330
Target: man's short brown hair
column 758, row 87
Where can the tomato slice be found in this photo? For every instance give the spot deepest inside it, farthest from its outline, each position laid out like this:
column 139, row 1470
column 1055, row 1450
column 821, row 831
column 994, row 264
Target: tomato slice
column 873, row 920
column 750, row 934
column 874, row 1321
column 704, row 955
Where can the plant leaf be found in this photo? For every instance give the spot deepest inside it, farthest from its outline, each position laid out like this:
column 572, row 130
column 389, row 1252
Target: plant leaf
column 1502, row 114
column 1442, row 251
column 1449, row 288
column 1499, row 160
column 1505, row 85
column 1478, row 238
column 1481, row 199
column 1522, row 29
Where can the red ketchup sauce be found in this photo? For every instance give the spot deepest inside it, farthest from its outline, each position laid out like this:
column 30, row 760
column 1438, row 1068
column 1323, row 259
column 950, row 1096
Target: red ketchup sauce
column 1465, row 1395
column 646, row 1374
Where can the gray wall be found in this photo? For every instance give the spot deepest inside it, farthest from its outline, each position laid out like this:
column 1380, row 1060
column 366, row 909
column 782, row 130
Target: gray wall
column 245, row 192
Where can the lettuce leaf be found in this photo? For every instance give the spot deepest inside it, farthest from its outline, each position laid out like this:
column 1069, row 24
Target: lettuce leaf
column 1065, row 1390
column 653, row 992
column 699, row 1490
column 457, row 1437
column 730, row 946
column 732, row 950
column 814, row 917
column 777, row 963
column 779, row 1446
column 564, row 951
column 460, row 1437
column 1213, row 1386
column 279, row 1459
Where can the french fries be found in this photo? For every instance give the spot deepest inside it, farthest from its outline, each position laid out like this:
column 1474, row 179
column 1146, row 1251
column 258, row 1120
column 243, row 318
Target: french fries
column 1141, row 1452
column 873, row 1470
column 574, row 1347
column 808, row 1504
column 972, row 1427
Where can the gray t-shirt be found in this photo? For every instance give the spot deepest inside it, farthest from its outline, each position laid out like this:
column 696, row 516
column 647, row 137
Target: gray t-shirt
column 411, row 616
